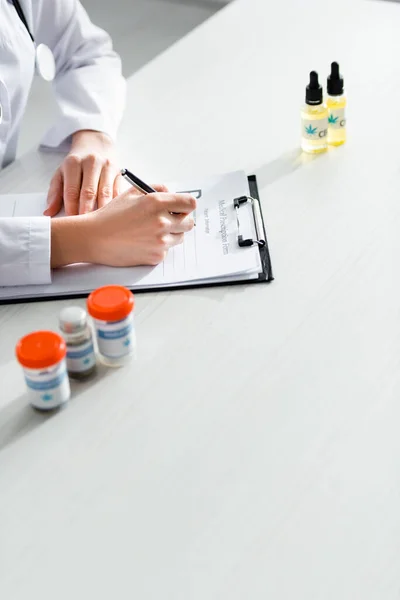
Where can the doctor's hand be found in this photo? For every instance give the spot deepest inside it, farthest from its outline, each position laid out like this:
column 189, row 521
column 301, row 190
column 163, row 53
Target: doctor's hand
column 87, row 177
column 132, row 230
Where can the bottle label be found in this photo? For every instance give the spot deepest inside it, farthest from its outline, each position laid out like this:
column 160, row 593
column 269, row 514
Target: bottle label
column 315, row 129
column 337, row 118
column 115, row 340
column 48, row 388
column 81, row 358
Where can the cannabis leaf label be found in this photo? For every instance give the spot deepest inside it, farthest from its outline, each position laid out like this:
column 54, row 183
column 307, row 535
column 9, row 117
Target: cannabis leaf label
column 310, row 130
column 333, row 120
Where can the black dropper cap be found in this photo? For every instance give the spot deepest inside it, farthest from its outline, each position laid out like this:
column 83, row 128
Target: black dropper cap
column 314, row 90
column 335, row 81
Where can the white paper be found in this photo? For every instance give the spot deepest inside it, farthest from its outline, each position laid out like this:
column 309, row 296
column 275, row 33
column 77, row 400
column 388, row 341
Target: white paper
column 210, row 252
column 29, row 205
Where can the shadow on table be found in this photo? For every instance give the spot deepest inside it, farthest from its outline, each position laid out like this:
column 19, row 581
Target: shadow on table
column 19, row 418
column 215, row 293
column 282, row 166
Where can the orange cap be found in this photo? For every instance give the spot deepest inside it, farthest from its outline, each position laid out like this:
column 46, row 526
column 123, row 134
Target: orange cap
column 40, row 349
column 110, row 303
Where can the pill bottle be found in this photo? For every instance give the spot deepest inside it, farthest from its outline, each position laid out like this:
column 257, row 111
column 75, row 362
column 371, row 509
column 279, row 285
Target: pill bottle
column 81, row 359
column 111, row 308
column 42, row 357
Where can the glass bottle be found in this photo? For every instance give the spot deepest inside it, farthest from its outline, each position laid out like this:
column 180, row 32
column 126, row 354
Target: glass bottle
column 81, row 358
column 314, row 118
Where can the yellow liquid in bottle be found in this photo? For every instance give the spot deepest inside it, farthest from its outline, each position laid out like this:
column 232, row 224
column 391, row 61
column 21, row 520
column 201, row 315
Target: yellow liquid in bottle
column 314, row 123
column 337, row 119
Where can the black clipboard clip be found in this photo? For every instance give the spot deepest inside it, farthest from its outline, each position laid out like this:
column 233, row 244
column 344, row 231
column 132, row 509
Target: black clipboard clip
column 261, row 235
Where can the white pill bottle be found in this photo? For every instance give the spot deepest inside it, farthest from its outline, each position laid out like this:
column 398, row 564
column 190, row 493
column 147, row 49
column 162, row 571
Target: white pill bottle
column 42, row 357
column 111, row 308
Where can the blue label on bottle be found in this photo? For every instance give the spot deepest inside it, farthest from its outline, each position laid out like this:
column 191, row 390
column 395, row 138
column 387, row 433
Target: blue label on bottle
column 42, row 386
column 80, row 353
column 114, row 335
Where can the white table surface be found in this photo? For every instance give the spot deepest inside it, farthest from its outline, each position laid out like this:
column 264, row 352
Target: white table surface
column 253, row 450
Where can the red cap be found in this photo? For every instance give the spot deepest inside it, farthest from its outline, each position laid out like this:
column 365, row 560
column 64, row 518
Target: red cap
column 110, row 303
column 40, row 349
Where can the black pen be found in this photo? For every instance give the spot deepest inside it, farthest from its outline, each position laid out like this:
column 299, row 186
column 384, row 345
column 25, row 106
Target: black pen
column 137, row 183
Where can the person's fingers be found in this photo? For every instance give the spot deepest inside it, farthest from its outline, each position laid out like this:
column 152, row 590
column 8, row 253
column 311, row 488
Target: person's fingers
column 181, row 224
column 159, row 187
column 72, row 176
column 105, row 191
column 91, row 171
column 173, row 239
column 176, row 203
column 120, row 186
column 55, row 195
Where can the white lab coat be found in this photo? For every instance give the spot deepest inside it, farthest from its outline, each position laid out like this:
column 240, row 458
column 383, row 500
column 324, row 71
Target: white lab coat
column 90, row 92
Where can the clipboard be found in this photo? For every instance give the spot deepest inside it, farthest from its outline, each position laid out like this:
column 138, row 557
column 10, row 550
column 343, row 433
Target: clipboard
column 259, row 238
column 266, row 274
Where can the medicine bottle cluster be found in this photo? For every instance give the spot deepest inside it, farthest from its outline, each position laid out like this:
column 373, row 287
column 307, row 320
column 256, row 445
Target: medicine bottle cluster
column 324, row 123
column 49, row 359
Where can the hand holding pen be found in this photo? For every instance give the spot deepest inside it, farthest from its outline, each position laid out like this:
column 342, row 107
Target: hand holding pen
column 134, row 229
column 140, row 185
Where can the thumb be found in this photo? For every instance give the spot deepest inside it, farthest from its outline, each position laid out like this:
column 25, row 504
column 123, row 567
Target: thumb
column 160, row 187
column 55, row 195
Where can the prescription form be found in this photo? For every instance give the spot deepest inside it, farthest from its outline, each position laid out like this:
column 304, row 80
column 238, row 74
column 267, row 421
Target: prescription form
column 210, row 252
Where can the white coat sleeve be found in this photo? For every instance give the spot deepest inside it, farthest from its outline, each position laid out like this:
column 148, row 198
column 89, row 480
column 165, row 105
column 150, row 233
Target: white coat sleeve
column 24, row 251
column 89, row 87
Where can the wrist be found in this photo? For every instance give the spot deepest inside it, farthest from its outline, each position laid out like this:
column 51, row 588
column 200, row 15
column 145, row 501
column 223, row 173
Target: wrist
column 85, row 137
column 70, row 241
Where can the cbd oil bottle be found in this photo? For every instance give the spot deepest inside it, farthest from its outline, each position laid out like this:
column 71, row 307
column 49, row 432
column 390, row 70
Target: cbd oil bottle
column 314, row 118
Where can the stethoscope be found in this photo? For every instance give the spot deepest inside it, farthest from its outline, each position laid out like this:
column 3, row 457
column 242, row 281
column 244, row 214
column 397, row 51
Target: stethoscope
column 44, row 59
column 45, row 64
